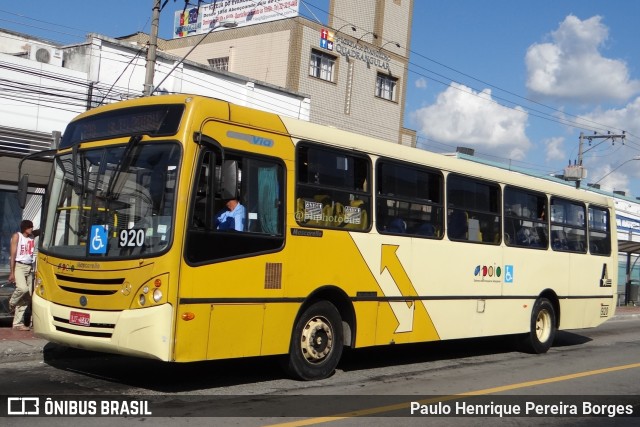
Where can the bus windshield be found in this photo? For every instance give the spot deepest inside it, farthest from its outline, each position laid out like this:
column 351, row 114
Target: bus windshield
column 113, row 202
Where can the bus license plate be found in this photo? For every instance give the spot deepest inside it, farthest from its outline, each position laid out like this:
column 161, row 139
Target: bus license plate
column 80, row 319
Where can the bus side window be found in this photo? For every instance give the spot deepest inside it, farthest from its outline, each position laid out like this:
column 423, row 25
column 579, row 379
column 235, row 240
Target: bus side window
column 260, row 190
column 410, row 199
column 331, row 188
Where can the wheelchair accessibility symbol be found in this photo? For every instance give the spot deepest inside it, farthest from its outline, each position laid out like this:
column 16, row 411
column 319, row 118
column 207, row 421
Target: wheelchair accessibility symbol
column 98, row 243
column 508, row 273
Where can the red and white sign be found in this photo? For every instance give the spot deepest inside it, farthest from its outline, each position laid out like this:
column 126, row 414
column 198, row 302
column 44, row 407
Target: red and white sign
column 194, row 21
column 79, row 319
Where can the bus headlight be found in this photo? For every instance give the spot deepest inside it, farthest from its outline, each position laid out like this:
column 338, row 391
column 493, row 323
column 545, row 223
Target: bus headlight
column 39, row 286
column 157, row 295
column 142, row 299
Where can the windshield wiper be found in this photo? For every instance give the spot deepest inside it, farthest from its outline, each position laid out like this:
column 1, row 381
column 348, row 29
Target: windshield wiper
column 125, row 162
column 77, row 188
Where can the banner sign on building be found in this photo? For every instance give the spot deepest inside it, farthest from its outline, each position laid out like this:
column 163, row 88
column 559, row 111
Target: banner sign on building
column 193, row 21
column 353, row 49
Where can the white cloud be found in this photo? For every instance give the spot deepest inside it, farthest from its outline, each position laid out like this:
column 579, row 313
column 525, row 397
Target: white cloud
column 572, row 67
column 421, row 83
column 611, row 178
column 624, row 118
column 554, row 149
column 463, row 117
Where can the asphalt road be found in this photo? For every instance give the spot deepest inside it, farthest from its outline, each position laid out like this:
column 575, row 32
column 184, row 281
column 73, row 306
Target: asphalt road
column 603, row 361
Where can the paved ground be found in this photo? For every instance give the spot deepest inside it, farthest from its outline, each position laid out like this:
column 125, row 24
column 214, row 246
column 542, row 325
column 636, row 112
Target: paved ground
column 19, row 345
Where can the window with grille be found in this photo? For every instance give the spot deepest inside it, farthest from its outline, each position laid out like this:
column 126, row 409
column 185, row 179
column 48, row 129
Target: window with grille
column 221, row 63
column 386, row 87
column 322, row 65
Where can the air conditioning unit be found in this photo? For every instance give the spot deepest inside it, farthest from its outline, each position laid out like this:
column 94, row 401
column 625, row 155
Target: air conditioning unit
column 45, row 54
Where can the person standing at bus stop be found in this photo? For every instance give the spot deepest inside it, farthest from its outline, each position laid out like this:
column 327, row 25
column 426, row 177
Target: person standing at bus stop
column 21, row 272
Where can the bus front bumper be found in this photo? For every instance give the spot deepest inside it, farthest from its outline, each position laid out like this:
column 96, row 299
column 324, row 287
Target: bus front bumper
column 144, row 332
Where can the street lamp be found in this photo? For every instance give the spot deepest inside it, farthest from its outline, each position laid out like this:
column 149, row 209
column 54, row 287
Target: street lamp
column 375, row 36
column 219, row 24
column 353, row 28
column 616, row 168
column 396, row 44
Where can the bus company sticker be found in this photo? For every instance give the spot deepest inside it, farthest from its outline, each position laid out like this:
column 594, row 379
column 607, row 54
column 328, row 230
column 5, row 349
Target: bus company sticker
column 487, row 273
column 312, row 210
column 352, row 215
column 251, row 139
column 66, row 267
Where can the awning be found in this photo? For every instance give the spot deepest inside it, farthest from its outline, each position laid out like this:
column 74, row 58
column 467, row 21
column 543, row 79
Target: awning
column 629, row 246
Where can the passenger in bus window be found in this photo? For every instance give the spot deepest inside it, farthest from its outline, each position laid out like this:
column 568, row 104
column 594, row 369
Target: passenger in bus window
column 397, row 225
column 232, row 217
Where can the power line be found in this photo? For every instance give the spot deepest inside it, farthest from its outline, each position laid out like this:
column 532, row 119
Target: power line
column 411, row 67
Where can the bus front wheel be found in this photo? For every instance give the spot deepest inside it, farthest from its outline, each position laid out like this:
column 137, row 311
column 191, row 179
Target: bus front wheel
column 543, row 327
column 316, row 343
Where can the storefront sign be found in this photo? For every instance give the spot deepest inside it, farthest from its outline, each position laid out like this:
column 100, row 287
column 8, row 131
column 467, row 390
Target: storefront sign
column 352, row 49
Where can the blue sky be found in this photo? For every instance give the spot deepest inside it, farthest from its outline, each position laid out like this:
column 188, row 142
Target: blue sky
column 515, row 80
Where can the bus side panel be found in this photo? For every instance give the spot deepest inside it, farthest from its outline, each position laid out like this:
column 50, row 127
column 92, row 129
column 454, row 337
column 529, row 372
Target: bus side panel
column 367, row 322
column 390, row 278
column 233, row 307
column 191, row 335
column 235, row 330
column 461, row 282
column 278, row 324
column 589, row 277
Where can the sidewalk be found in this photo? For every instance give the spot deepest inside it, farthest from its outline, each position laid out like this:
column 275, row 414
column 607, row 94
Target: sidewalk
column 19, row 345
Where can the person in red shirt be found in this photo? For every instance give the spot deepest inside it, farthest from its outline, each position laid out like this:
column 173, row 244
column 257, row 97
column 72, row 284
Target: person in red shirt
column 21, row 272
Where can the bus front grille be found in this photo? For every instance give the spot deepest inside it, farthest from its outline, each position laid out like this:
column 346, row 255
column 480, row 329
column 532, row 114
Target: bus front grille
column 89, row 286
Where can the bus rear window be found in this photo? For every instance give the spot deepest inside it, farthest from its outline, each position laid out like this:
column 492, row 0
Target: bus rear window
column 152, row 120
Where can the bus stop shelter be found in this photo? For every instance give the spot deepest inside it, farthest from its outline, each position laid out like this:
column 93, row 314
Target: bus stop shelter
column 629, row 247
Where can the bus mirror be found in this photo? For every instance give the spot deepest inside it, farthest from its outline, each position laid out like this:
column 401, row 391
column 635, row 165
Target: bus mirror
column 229, row 180
column 23, row 186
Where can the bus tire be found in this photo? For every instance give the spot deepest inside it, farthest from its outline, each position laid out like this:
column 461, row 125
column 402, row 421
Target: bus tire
column 542, row 329
column 316, row 343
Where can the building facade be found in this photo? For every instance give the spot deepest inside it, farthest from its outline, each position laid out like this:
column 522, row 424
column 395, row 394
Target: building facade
column 354, row 68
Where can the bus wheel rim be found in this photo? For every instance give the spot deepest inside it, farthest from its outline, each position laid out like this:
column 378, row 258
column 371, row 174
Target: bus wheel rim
column 543, row 325
column 317, row 340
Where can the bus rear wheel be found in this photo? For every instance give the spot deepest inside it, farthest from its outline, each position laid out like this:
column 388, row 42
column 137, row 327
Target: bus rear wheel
column 316, row 343
column 543, row 327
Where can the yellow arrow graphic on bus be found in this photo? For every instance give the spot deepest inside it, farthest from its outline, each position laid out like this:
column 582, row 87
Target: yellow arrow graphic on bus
column 391, row 262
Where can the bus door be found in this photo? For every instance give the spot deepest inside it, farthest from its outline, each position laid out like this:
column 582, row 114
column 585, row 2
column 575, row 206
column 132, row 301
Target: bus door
column 233, row 270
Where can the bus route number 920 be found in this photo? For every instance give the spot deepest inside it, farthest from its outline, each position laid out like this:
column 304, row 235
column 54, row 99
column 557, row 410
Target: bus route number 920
column 131, row 238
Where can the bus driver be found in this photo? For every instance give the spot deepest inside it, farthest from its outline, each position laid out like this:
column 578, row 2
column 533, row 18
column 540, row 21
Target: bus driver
column 232, row 217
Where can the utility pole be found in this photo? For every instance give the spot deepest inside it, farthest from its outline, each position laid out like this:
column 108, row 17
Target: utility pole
column 577, row 172
column 151, row 52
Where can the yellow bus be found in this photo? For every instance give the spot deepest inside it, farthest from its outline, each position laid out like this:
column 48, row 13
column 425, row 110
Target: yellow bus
column 339, row 240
